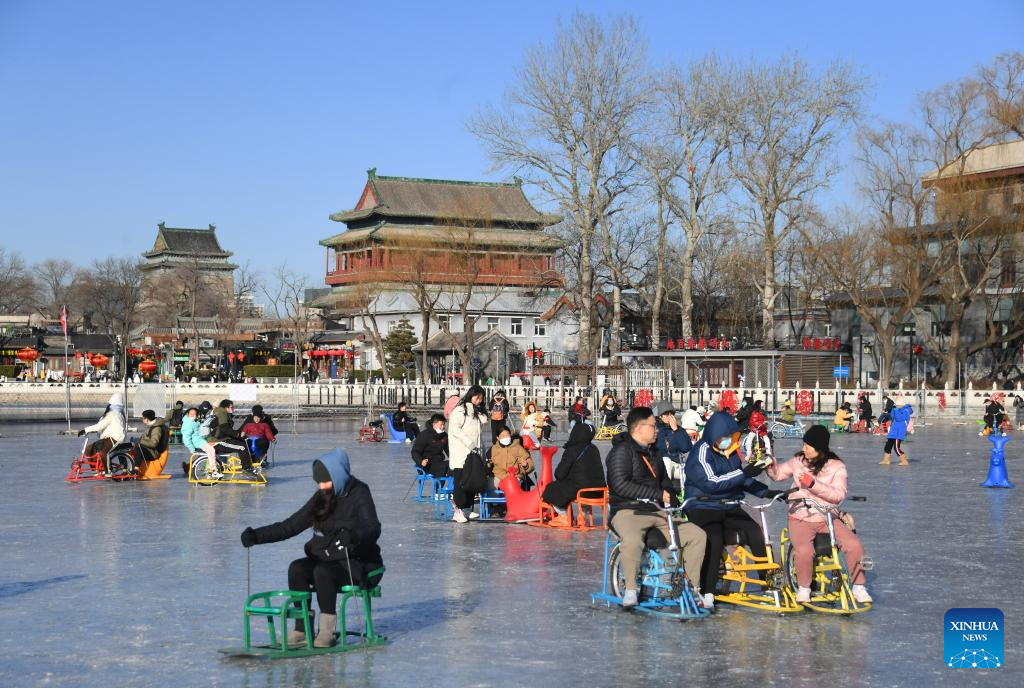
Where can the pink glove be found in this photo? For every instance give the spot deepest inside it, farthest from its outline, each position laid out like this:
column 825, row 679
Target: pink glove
column 806, row 480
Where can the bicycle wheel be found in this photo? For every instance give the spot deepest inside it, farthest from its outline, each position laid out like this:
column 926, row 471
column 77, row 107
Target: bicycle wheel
column 122, row 464
column 199, row 470
column 618, row 577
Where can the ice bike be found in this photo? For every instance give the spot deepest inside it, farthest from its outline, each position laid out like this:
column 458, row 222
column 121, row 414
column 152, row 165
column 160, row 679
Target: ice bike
column 779, row 430
column 90, row 466
column 229, row 468
column 737, row 579
column 664, row 590
column 830, row 587
column 607, row 432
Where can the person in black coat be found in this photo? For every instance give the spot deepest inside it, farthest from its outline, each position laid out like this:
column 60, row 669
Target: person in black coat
column 405, row 423
column 343, row 549
column 743, row 415
column 579, row 468
column 430, row 450
column 866, row 412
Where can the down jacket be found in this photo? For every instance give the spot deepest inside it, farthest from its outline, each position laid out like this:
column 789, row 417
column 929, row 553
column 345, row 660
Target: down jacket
column 634, row 473
column 353, row 521
column 463, row 433
column 900, row 416
column 710, row 473
column 829, row 488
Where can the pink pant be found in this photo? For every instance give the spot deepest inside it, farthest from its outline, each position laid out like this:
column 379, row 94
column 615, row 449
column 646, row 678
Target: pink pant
column 802, row 534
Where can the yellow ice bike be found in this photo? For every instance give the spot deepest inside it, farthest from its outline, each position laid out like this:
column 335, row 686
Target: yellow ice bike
column 229, row 471
column 830, row 587
column 748, row 580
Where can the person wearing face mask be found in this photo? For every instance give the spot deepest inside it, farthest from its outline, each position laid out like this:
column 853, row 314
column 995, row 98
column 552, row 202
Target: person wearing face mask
column 509, row 453
column 637, row 477
column 715, row 470
column 464, row 434
column 343, row 549
column 430, row 450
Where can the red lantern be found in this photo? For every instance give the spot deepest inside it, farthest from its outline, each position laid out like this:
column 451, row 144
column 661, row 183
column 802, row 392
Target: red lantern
column 702, row 343
column 836, row 343
column 539, row 353
column 714, row 342
column 817, row 344
column 807, row 343
column 28, row 355
column 78, row 355
column 690, row 343
column 99, row 360
column 147, row 367
column 671, row 344
column 827, row 344
column 918, row 348
column 231, row 356
column 241, row 356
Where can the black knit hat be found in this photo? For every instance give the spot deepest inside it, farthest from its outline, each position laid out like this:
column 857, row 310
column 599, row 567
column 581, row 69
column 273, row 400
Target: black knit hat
column 817, row 436
column 320, row 472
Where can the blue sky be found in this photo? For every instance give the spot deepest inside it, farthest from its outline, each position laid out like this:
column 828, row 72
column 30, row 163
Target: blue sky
column 263, row 117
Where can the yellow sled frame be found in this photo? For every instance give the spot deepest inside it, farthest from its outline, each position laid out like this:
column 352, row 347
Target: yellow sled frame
column 769, row 595
column 830, row 589
column 231, row 469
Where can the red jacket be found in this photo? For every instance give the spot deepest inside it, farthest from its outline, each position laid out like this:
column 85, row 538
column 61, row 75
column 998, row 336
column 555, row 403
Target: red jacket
column 260, row 429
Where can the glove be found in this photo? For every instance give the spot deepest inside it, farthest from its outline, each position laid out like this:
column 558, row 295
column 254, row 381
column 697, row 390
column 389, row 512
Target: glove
column 81, row 432
column 806, row 480
column 752, row 470
column 248, row 537
column 335, row 549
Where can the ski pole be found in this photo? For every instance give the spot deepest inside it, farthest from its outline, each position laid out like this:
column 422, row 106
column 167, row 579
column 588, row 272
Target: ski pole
column 248, row 571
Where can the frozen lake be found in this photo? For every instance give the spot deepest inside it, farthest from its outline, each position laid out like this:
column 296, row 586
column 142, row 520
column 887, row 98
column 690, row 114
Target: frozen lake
column 104, row 584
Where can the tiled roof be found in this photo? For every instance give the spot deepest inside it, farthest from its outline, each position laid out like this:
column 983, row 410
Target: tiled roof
column 470, row 202
column 186, row 240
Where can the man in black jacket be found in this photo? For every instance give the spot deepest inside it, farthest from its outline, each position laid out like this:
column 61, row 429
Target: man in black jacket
column 343, row 548
column 635, row 474
column 430, row 451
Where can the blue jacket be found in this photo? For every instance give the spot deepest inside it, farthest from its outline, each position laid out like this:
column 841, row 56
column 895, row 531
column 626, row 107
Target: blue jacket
column 710, row 473
column 674, row 445
column 190, row 435
column 900, row 417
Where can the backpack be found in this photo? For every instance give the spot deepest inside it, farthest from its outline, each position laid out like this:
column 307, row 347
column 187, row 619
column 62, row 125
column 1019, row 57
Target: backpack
column 450, row 404
column 475, row 477
column 207, row 426
column 497, row 411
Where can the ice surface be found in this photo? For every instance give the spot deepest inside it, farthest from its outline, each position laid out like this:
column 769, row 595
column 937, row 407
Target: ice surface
column 138, row 584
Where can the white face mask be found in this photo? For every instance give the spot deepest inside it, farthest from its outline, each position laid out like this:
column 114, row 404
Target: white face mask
column 505, row 441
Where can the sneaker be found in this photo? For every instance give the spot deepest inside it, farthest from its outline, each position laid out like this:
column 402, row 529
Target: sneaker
column 248, row 475
column 860, row 595
column 473, row 515
column 459, row 517
column 214, row 474
column 709, row 601
column 408, row 441
column 629, row 599
column 803, row 595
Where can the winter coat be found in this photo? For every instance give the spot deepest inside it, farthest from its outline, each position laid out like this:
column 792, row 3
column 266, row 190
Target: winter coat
column 865, row 409
column 743, row 417
column 691, row 420
column 788, row 415
column 498, row 407
column 579, row 468
column 712, row 474
column 900, row 416
column 634, row 473
column 353, row 520
column 261, row 429
column 175, row 416
column 224, row 430
column 611, row 414
column 579, row 413
column 674, row 444
column 155, row 437
column 463, row 433
column 110, row 426
column 842, row 417
column 432, row 446
column 190, row 435
column 829, row 488
column 512, row 456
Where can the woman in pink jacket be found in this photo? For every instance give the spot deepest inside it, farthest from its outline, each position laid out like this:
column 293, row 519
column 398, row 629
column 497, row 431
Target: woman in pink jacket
column 819, row 475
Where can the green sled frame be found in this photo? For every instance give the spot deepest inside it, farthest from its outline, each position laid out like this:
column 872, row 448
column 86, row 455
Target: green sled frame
column 281, row 605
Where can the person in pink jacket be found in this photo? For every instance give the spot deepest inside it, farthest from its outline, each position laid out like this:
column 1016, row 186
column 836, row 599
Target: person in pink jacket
column 819, row 475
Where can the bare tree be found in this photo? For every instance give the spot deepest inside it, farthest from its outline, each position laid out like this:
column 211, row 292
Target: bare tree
column 1002, row 86
column 565, row 125
column 114, row 295
column 285, row 291
column 785, row 121
column 18, row 288
column 54, row 277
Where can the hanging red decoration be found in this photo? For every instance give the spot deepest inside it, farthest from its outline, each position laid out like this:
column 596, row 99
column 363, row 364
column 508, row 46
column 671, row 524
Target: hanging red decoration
column 27, row 355
column 99, row 360
column 671, row 344
column 231, row 356
column 241, row 356
column 147, row 367
column 702, row 343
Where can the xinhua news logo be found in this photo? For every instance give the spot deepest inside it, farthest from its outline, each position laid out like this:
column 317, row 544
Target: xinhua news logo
column 973, row 638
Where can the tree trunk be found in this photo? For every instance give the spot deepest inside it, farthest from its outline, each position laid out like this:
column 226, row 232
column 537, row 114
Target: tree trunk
column 886, row 357
column 424, row 359
column 613, row 336
column 659, row 274
column 686, row 289
column 768, row 311
column 586, row 297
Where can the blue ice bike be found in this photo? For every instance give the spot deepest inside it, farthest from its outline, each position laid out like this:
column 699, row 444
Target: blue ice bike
column 663, row 588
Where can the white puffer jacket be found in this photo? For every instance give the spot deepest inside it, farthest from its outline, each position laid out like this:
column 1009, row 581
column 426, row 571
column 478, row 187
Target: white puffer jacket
column 110, row 426
column 464, row 426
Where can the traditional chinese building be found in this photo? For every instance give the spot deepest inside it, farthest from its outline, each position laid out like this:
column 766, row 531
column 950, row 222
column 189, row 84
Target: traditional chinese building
column 480, row 243
column 182, row 247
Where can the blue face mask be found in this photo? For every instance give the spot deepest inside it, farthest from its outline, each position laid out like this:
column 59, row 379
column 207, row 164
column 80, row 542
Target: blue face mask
column 724, row 444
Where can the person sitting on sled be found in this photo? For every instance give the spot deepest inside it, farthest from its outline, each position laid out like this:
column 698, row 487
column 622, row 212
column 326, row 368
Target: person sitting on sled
column 111, row 429
column 343, row 548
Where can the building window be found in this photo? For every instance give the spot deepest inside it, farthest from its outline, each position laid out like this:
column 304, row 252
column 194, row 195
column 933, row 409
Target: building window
column 540, row 328
column 1008, row 269
column 444, row 320
column 517, row 327
column 932, row 248
column 493, row 322
column 344, row 262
